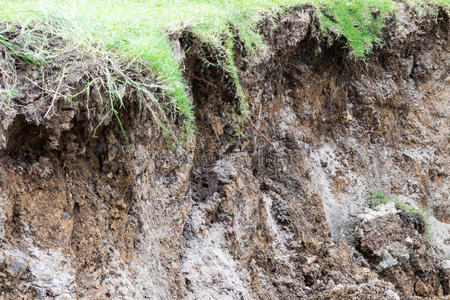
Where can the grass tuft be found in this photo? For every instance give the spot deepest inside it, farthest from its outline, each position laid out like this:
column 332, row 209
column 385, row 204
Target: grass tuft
column 8, row 95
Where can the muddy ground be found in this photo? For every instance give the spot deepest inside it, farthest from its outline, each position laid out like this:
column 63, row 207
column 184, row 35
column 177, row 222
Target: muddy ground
column 272, row 207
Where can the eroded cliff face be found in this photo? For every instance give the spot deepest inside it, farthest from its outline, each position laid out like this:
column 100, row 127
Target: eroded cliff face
column 272, row 207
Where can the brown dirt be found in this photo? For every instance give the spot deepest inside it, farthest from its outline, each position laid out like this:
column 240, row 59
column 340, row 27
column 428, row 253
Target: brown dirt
column 260, row 209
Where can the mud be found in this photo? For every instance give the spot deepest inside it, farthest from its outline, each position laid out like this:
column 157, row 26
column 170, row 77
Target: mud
column 272, row 207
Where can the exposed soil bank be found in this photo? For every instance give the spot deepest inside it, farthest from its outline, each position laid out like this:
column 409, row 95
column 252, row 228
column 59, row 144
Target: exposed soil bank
column 275, row 207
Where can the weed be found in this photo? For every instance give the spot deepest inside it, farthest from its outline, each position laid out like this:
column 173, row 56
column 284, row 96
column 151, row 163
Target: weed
column 8, row 95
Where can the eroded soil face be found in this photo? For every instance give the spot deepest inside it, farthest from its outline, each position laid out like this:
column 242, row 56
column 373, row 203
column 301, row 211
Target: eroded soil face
column 275, row 207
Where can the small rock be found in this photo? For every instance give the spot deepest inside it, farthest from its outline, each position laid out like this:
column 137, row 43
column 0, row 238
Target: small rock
column 16, row 269
column 399, row 251
column 44, row 160
column 387, row 262
column 409, row 241
column 379, row 211
column 420, row 288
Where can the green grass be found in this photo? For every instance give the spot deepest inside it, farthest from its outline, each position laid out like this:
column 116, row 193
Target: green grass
column 8, row 95
column 419, row 214
column 139, row 30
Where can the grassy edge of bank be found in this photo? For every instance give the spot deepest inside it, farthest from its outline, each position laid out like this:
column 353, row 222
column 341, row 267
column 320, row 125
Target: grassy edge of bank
column 138, row 31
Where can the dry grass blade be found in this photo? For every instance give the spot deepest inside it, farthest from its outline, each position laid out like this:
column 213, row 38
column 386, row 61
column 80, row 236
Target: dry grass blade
column 55, row 96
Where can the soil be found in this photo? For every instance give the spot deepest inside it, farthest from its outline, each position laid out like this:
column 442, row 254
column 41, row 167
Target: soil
column 275, row 206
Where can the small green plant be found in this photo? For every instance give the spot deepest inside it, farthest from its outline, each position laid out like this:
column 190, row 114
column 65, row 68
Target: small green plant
column 419, row 215
column 378, row 198
column 8, row 95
